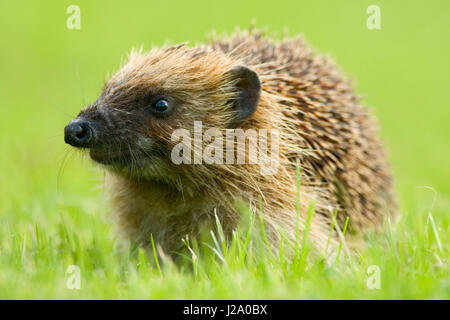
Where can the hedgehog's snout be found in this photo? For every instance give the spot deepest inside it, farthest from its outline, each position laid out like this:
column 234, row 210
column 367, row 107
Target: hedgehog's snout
column 79, row 133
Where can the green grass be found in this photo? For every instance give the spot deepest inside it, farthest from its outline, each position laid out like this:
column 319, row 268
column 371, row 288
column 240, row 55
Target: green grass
column 52, row 213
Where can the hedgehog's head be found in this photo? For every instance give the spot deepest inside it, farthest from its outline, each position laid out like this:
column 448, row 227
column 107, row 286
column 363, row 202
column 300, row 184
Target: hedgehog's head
column 130, row 125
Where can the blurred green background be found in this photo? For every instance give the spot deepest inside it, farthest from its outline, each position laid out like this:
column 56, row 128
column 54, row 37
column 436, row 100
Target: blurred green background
column 48, row 73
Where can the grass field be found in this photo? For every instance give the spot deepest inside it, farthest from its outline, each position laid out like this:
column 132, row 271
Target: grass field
column 53, row 215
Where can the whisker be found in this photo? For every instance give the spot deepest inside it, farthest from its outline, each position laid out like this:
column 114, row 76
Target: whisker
column 61, row 169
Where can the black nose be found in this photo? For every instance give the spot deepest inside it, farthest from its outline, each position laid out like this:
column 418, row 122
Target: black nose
column 79, row 133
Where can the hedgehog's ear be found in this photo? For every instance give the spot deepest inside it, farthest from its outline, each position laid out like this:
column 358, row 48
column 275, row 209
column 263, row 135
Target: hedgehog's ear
column 248, row 87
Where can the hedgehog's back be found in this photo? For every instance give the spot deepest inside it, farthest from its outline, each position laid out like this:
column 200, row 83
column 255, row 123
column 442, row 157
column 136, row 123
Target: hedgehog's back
column 336, row 137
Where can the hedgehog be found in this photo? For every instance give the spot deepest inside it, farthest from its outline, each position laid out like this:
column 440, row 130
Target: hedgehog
column 247, row 80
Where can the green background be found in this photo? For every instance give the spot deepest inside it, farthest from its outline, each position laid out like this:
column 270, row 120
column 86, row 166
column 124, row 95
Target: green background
column 48, row 73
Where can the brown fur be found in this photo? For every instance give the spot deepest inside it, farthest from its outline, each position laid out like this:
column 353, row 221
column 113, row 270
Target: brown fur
column 322, row 125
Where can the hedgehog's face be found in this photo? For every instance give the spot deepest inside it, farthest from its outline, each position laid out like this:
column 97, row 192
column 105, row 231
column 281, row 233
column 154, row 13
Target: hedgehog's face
column 129, row 127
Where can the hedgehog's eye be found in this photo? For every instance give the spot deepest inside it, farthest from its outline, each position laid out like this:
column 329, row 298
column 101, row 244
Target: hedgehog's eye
column 160, row 106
